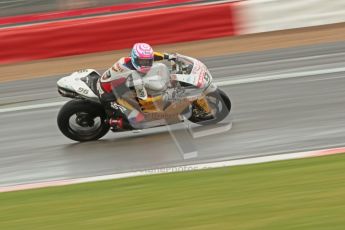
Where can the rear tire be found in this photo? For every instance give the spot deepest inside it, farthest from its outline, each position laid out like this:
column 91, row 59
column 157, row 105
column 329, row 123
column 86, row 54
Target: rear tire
column 218, row 100
column 89, row 120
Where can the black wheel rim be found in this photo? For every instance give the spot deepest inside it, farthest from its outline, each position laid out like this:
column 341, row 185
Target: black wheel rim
column 84, row 124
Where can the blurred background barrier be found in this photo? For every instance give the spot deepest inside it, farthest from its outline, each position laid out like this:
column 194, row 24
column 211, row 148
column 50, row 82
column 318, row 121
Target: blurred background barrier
column 88, row 35
column 57, row 10
column 197, row 21
column 21, row 7
column 273, row 15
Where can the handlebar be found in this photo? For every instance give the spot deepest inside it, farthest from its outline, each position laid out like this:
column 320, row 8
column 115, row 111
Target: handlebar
column 181, row 68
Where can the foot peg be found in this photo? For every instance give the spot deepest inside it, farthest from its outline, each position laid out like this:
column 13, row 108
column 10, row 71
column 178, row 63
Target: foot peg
column 116, row 123
column 119, row 124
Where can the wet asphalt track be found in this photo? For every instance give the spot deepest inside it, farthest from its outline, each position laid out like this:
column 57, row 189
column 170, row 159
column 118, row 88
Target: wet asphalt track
column 268, row 117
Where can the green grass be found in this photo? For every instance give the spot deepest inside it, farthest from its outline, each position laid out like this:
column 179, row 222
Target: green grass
column 298, row 194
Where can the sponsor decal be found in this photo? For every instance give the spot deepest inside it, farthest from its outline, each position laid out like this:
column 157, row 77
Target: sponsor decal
column 116, row 106
column 106, row 75
column 162, row 115
column 201, row 82
column 117, row 68
column 196, row 68
column 141, row 92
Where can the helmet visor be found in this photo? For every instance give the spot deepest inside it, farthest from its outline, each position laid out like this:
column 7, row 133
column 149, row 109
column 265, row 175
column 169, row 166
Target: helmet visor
column 145, row 62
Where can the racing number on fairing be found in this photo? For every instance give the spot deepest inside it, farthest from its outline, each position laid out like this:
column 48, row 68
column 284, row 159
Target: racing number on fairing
column 207, row 79
column 82, row 90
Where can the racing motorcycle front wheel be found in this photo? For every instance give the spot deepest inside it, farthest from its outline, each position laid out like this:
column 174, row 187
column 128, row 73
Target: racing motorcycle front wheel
column 219, row 104
column 82, row 120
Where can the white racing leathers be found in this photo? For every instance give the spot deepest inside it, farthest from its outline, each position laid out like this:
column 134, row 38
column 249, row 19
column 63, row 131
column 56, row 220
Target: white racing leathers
column 128, row 89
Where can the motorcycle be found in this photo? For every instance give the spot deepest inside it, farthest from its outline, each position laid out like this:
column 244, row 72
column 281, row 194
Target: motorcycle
column 167, row 94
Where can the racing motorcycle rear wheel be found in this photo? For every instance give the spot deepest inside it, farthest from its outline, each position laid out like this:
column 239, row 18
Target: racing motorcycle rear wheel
column 82, row 120
column 220, row 105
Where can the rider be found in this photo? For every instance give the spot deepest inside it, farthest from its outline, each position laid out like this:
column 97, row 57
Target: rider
column 112, row 85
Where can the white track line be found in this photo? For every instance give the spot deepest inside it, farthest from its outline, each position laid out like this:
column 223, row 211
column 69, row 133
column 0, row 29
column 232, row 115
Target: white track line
column 248, row 161
column 27, row 107
column 248, row 79
column 289, row 59
column 280, row 76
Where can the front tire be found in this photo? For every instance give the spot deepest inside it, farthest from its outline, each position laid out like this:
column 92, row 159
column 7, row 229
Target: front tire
column 82, row 120
column 220, row 102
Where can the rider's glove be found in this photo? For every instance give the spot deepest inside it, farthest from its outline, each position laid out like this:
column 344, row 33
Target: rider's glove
column 170, row 57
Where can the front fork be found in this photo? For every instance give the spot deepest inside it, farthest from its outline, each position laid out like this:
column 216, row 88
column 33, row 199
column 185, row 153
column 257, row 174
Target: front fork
column 202, row 101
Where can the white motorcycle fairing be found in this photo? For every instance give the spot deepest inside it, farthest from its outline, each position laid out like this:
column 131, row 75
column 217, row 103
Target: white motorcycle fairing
column 199, row 76
column 74, row 85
